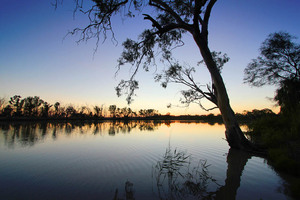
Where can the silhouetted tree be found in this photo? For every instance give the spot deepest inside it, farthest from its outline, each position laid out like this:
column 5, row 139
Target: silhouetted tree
column 101, row 111
column 45, row 109
column 126, row 112
column 151, row 112
column 254, row 114
column 84, row 110
column 28, row 106
column 70, row 111
column 37, row 102
column 56, row 107
column 170, row 20
column 142, row 112
column 196, row 92
column 148, row 112
column 97, row 111
column 7, row 111
column 17, row 103
column 112, row 109
column 62, row 111
column 118, row 112
column 279, row 60
column 288, row 95
column 278, row 64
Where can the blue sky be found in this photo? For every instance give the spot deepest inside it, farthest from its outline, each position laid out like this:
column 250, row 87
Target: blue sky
column 35, row 59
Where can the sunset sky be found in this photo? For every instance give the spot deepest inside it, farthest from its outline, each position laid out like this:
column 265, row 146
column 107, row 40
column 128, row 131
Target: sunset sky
column 36, row 59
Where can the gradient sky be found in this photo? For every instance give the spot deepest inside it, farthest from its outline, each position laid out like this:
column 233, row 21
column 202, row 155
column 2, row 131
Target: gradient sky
column 36, row 60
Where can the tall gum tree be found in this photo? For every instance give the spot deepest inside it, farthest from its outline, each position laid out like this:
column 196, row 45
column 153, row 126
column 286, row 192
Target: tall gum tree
column 170, row 20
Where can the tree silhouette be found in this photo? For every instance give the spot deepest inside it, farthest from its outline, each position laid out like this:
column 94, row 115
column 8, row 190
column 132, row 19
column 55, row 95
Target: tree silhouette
column 7, row 110
column 70, row 111
column 17, row 103
column 84, row 110
column 98, row 111
column 288, row 96
column 279, row 60
column 37, row 102
column 45, row 109
column 170, row 21
column 112, row 109
column 179, row 74
column 35, row 108
column 278, row 64
column 148, row 112
column 28, row 106
column 126, row 112
column 56, row 107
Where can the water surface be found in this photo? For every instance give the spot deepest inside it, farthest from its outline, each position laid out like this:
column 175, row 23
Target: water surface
column 117, row 160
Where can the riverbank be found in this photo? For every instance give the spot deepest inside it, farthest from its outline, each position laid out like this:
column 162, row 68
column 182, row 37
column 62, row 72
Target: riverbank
column 280, row 135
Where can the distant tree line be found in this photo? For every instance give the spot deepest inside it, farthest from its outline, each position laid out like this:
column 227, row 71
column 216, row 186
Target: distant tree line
column 18, row 108
column 35, row 108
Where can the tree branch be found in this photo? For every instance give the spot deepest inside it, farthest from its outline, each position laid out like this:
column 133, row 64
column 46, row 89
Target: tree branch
column 208, row 11
column 167, row 9
column 206, row 18
column 167, row 28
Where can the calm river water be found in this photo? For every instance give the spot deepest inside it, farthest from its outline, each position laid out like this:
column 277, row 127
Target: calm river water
column 134, row 160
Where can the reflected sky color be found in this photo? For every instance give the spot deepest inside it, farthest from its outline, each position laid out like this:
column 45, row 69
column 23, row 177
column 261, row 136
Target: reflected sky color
column 36, row 60
column 81, row 163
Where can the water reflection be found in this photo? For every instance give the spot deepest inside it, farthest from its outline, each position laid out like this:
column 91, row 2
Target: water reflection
column 176, row 178
column 129, row 192
column 236, row 162
column 120, row 167
column 24, row 134
column 27, row 134
column 194, row 182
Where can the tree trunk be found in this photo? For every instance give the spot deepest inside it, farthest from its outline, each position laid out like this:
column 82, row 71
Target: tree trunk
column 234, row 136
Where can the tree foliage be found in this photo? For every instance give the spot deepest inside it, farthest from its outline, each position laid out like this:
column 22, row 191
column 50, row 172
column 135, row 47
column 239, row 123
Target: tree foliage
column 288, row 96
column 279, row 64
column 170, row 20
column 279, row 60
column 184, row 75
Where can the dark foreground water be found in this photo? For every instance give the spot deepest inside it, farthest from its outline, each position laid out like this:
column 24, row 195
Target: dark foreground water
column 135, row 160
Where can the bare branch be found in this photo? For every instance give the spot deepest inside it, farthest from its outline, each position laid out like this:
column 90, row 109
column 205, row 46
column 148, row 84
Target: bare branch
column 183, row 75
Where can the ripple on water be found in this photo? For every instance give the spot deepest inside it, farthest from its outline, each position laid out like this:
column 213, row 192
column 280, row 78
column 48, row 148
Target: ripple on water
column 94, row 166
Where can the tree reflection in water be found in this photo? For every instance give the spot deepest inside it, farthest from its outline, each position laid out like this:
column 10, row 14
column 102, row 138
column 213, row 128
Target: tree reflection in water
column 176, row 180
column 129, row 192
column 236, row 161
column 27, row 134
column 175, row 176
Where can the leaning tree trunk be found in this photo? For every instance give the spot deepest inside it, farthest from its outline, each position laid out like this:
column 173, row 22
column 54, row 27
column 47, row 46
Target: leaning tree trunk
column 234, row 136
